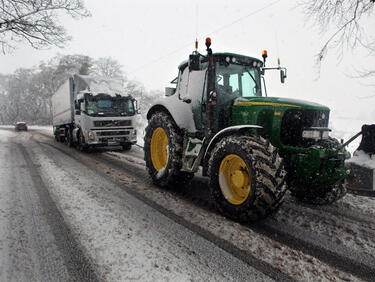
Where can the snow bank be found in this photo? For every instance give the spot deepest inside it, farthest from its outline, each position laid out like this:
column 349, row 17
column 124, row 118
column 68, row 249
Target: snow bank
column 362, row 159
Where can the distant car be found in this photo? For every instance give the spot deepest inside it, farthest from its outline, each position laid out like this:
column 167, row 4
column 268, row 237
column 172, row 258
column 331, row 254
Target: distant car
column 21, row 126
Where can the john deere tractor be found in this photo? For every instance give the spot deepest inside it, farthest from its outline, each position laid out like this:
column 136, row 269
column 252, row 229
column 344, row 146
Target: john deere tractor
column 251, row 146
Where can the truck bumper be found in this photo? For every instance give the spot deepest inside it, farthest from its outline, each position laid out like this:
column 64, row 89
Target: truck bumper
column 113, row 137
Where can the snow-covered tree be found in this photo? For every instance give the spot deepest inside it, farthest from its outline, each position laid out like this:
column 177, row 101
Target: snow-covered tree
column 348, row 22
column 107, row 67
column 36, row 22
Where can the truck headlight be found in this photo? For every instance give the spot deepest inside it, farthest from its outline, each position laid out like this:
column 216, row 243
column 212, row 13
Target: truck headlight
column 134, row 132
column 315, row 134
column 90, row 135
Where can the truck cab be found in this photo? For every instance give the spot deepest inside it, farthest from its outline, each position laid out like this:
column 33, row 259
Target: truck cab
column 91, row 111
column 105, row 119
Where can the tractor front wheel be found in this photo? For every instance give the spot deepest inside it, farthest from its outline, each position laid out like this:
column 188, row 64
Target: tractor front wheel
column 247, row 178
column 163, row 151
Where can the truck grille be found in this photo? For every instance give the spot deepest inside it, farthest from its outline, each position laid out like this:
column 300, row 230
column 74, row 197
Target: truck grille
column 109, row 123
column 112, row 133
column 294, row 121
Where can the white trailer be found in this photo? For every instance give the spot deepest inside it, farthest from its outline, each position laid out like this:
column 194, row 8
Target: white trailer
column 92, row 111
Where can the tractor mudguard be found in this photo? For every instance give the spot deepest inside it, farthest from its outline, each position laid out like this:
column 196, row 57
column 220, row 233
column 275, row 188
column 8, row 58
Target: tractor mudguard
column 220, row 135
column 179, row 110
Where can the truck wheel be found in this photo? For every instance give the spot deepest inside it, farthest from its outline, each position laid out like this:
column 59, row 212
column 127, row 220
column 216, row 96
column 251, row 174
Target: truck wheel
column 163, row 151
column 247, row 178
column 69, row 138
column 81, row 142
column 321, row 195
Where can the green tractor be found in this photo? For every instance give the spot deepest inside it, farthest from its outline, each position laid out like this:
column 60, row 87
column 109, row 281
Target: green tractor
column 251, row 146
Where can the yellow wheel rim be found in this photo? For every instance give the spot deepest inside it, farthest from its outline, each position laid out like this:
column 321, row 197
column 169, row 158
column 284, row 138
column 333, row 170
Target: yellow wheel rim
column 159, row 149
column 234, row 179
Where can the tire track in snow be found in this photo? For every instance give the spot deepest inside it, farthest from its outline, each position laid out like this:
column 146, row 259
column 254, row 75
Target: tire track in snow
column 244, row 256
column 77, row 264
column 360, row 265
column 334, row 256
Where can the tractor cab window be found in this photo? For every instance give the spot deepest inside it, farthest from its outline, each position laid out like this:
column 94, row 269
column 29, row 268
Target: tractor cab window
column 237, row 81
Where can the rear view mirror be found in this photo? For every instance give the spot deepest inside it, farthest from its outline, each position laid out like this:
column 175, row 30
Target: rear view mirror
column 136, row 107
column 169, row 91
column 282, row 75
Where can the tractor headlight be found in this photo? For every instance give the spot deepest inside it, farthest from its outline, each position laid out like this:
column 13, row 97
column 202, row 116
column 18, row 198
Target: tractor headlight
column 315, row 134
column 325, row 135
column 311, row 134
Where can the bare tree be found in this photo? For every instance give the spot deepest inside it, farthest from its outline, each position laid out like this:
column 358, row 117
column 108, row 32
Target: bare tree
column 347, row 19
column 36, row 21
column 107, row 67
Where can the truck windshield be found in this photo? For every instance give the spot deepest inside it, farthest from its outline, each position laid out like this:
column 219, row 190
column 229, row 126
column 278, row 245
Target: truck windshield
column 237, row 80
column 106, row 105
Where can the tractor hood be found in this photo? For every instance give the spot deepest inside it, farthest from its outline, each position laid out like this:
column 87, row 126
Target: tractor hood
column 279, row 102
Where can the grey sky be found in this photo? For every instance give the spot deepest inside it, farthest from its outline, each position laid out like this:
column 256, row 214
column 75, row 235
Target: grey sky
column 150, row 39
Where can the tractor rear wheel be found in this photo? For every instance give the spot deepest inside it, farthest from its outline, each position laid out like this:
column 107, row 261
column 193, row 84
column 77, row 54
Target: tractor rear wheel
column 163, row 151
column 247, row 178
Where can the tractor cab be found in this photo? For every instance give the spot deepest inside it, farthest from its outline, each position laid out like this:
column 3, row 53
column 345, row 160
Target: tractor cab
column 234, row 76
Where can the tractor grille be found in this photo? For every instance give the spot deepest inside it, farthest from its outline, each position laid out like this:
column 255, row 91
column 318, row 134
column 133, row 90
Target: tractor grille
column 109, row 123
column 294, row 121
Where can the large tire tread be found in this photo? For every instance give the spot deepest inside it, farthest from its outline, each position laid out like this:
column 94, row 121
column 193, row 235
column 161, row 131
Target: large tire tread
column 268, row 177
column 172, row 174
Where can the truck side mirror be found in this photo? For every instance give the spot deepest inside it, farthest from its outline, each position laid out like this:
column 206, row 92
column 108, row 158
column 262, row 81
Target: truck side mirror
column 169, row 91
column 82, row 106
column 136, row 107
column 282, row 76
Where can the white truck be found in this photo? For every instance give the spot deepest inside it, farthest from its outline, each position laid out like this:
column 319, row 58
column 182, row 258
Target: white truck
column 90, row 111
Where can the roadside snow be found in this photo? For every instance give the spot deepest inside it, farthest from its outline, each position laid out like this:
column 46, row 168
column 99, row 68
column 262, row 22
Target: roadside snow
column 6, row 134
column 362, row 159
column 45, row 128
column 365, row 205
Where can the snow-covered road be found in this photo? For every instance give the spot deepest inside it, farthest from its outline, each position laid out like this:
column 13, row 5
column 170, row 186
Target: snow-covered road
column 128, row 229
column 124, row 238
column 28, row 249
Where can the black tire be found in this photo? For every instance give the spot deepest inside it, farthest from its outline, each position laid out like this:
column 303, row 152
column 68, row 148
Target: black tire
column 171, row 173
column 321, row 195
column 69, row 138
column 126, row 147
column 81, row 143
column 266, row 186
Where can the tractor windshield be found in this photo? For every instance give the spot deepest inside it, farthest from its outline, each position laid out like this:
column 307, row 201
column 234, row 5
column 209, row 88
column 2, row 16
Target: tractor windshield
column 237, row 80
